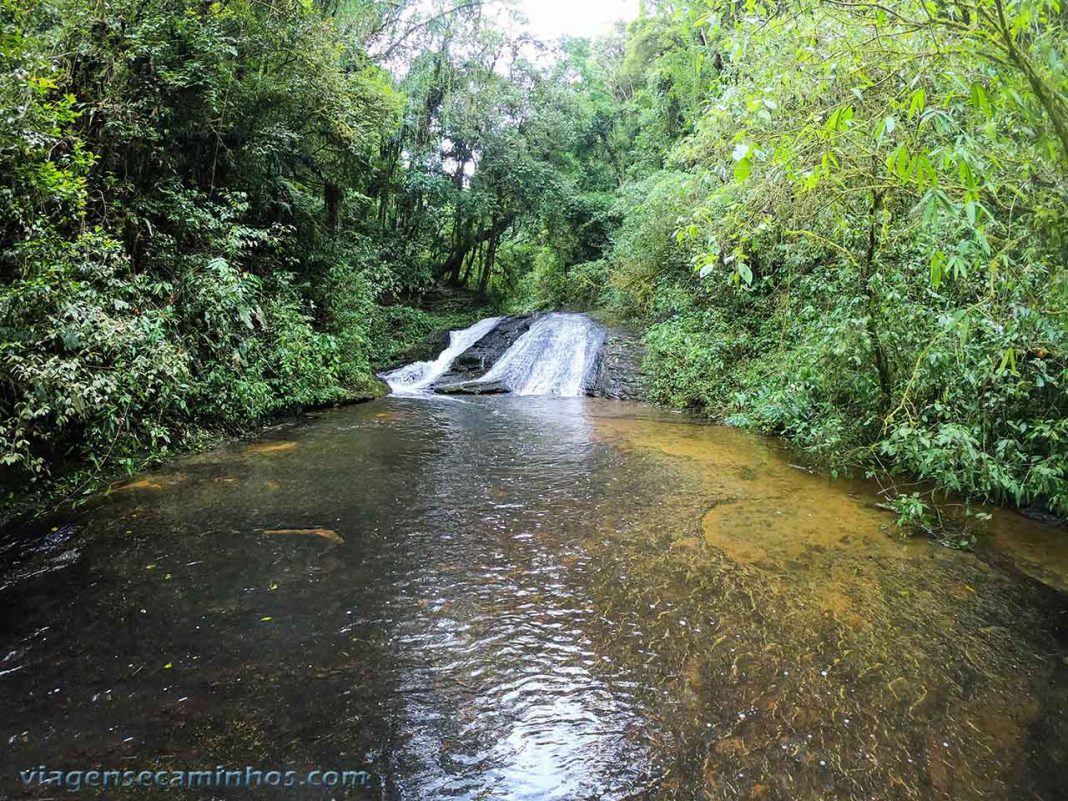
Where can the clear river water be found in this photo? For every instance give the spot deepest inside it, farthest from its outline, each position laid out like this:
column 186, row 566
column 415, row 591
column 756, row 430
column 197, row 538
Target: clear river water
column 516, row 598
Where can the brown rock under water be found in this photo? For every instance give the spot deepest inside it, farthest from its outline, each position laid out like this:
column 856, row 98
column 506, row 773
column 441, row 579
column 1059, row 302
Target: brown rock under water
column 271, row 447
column 154, row 483
column 325, row 533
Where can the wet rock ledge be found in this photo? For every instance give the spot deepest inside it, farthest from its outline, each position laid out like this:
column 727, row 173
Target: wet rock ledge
column 617, row 373
column 477, row 360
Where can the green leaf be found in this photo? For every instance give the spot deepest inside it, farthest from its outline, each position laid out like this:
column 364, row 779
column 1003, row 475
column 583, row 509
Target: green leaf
column 1008, row 363
column 742, row 169
column 981, row 100
column 938, row 264
column 885, row 128
column 917, row 103
column 965, row 330
column 840, row 119
column 899, row 162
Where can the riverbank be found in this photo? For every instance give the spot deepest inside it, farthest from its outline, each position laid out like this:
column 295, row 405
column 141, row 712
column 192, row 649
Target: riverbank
column 936, row 476
column 402, row 333
column 76, row 487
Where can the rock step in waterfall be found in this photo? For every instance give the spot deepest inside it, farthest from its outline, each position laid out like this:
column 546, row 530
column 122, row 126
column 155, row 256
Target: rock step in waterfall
column 419, row 376
column 547, row 354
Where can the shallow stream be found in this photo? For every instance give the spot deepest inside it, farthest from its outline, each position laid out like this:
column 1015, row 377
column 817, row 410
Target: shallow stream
column 530, row 598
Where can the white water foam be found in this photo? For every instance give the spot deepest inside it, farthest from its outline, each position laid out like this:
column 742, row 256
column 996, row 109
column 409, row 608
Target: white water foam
column 416, row 378
column 554, row 357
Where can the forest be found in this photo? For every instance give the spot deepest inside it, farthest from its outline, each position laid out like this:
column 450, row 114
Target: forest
column 844, row 222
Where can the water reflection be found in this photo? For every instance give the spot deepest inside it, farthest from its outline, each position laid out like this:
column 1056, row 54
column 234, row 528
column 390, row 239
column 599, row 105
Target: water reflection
column 504, row 694
column 531, row 598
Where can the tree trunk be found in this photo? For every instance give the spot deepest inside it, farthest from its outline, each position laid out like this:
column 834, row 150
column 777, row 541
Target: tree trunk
column 476, row 257
column 464, row 241
column 332, row 200
column 487, row 263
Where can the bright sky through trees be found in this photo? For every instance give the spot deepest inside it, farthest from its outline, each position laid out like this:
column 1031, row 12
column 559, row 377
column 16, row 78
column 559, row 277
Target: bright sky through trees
column 550, row 19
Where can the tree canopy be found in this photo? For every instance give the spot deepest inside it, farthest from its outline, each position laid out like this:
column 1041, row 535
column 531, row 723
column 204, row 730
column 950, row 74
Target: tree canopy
column 840, row 221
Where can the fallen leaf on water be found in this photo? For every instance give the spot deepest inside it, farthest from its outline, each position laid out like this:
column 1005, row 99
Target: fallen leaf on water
column 325, row 533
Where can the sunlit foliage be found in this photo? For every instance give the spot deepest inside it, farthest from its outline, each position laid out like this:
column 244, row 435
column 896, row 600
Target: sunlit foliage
column 859, row 234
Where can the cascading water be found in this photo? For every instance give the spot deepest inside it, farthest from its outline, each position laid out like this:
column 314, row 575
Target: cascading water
column 553, row 358
column 416, row 378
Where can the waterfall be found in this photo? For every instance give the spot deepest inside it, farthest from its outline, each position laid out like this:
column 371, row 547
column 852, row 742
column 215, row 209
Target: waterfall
column 416, row 378
column 553, row 358
column 556, row 356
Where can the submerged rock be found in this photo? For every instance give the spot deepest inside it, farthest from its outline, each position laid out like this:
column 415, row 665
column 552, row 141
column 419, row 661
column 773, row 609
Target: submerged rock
column 325, row 533
column 266, row 448
column 473, row 388
column 154, row 483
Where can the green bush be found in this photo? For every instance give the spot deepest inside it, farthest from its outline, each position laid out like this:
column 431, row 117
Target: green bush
column 93, row 365
column 861, row 255
column 176, row 250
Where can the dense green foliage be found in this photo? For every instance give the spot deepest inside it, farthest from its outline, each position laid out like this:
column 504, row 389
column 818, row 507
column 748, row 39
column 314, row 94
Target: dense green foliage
column 848, row 224
column 183, row 243
column 841, row 222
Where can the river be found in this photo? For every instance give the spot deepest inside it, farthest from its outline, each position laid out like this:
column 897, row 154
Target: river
column 529, row 598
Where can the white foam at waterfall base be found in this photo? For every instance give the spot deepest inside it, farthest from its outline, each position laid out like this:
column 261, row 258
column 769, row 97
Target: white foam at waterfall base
column 554, row 357
column 416, row 378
